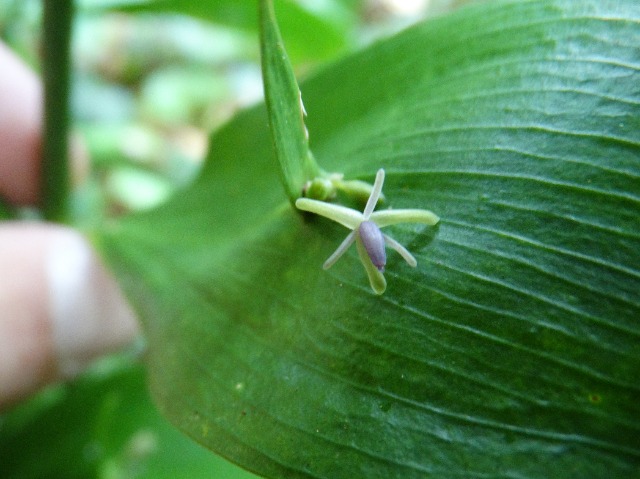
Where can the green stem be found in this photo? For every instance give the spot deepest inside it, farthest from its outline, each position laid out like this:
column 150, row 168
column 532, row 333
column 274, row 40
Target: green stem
column 58, row 17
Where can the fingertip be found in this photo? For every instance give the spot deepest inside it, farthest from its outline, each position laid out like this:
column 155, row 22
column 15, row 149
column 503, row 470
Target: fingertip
column 59, row 308
column 20, row 129
column 88, row 312
column 25, row 348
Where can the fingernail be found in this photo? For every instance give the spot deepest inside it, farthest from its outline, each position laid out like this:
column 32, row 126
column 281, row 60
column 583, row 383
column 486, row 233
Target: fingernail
column 89, row 314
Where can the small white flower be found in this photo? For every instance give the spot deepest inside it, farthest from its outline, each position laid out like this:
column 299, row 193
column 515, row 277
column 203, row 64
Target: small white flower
column 365, row 226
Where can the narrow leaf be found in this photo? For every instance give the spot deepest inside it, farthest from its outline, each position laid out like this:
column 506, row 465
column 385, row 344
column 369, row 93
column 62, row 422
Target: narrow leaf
column 285, row 107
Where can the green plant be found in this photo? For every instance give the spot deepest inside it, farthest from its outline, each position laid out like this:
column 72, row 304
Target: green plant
column 511, row 351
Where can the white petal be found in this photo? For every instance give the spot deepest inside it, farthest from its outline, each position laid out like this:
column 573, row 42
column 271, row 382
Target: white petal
column 340, row 214
column 344, row 246
column 408, row 257
column 391, row 217
column 375, row 194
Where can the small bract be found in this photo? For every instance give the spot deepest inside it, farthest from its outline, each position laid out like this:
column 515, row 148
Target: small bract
column 365, row 226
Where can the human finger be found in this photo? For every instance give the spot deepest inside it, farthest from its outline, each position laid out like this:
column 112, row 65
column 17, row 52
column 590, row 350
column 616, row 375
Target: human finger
column 59, row 308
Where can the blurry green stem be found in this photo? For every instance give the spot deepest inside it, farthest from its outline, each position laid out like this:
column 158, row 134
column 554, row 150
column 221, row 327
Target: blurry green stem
column 58, row 16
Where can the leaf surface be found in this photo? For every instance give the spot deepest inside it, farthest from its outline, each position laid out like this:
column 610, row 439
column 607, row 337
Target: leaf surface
column 512, row 350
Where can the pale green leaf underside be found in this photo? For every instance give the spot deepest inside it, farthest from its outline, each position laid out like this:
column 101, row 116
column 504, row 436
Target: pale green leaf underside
column 511, row 351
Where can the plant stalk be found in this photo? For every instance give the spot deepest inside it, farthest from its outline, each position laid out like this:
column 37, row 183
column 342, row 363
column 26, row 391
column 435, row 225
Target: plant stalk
column 56, row 65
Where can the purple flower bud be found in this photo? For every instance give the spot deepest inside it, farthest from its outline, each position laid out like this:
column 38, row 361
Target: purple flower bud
column 373, row 242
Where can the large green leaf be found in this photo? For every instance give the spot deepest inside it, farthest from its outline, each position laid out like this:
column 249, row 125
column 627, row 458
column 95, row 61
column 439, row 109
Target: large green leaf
column 512, row 350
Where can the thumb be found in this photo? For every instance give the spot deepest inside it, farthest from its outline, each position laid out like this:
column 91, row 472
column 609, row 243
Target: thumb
column 59, row 308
